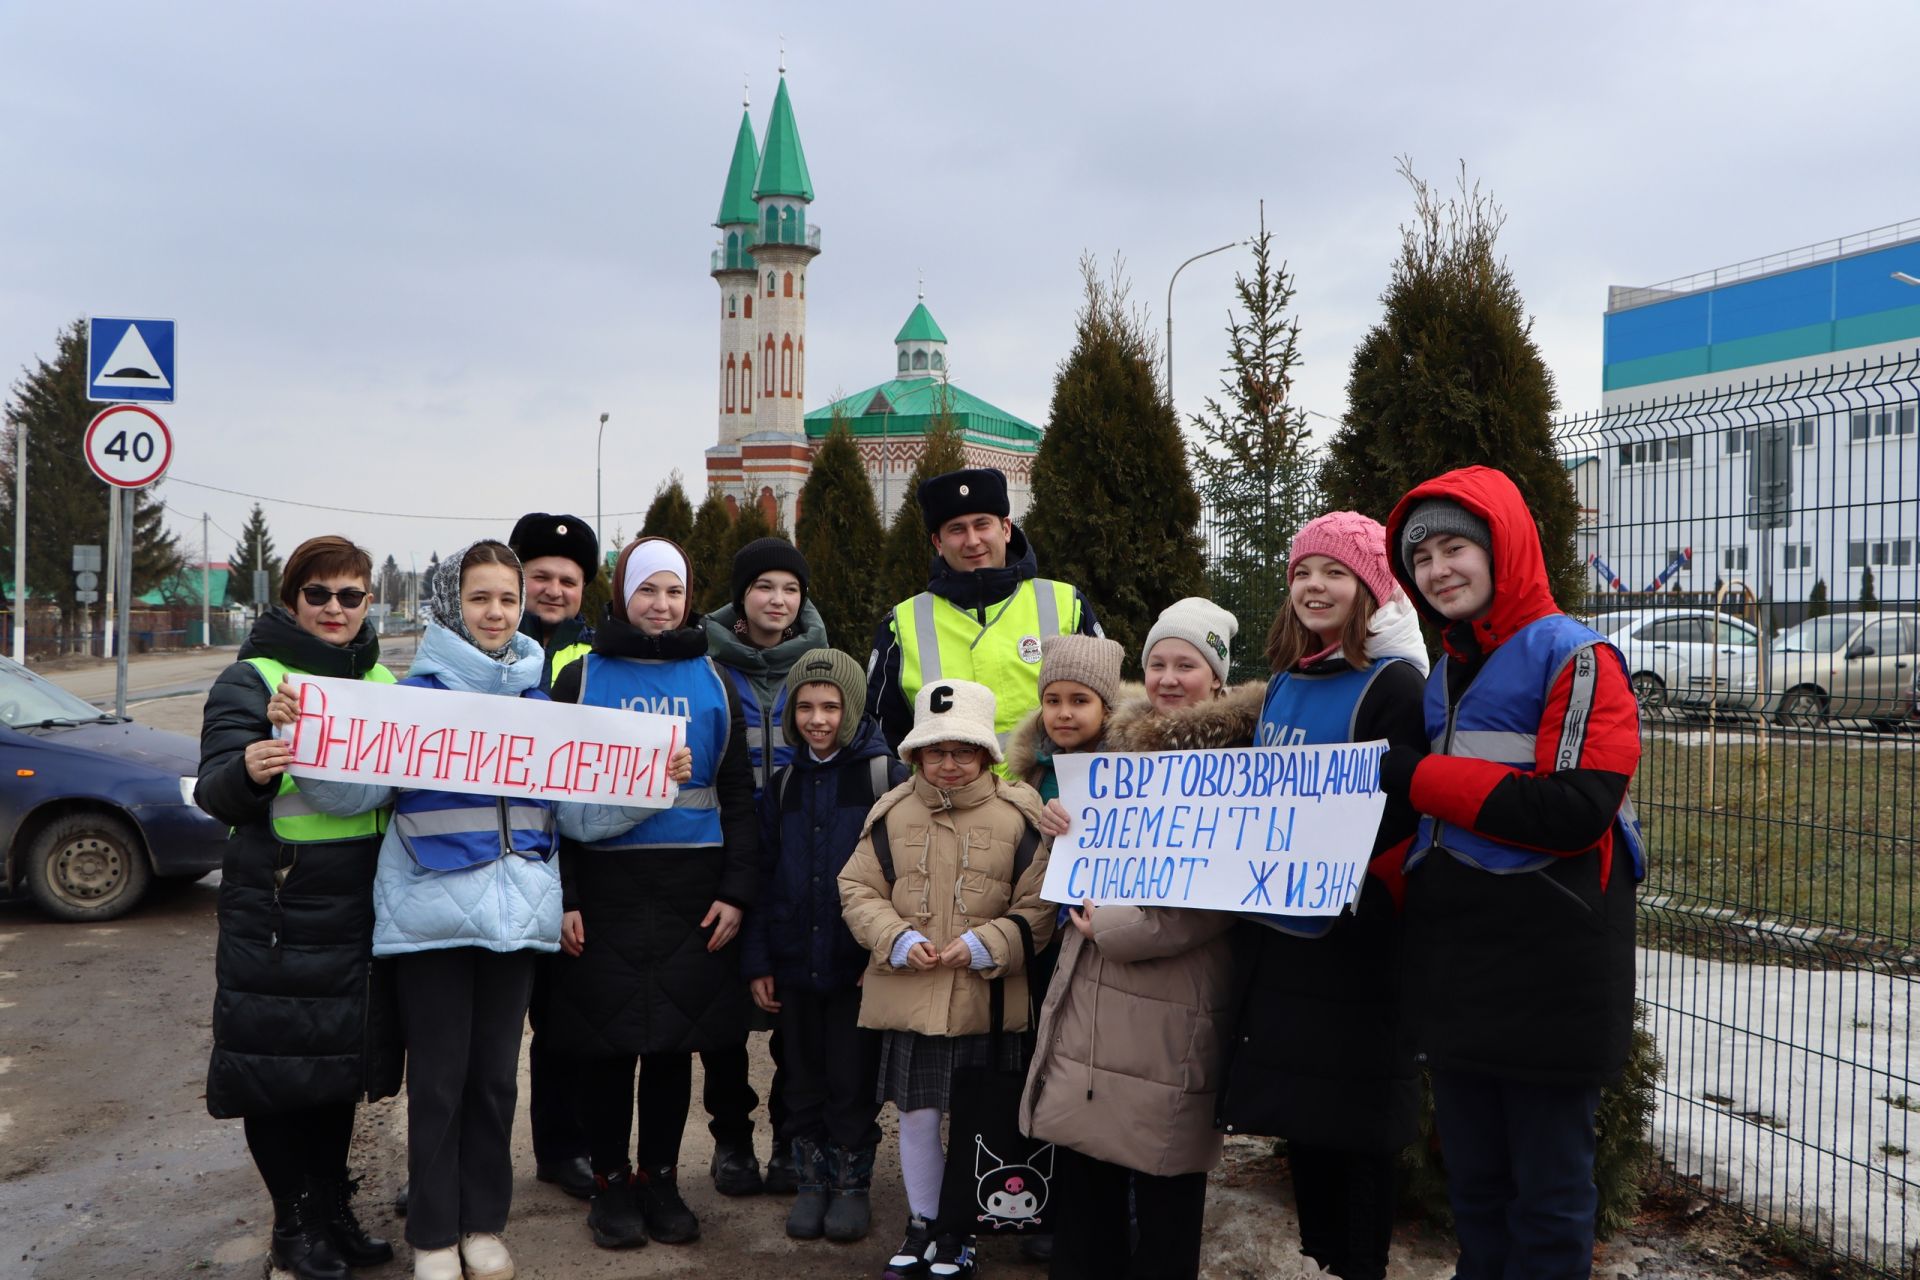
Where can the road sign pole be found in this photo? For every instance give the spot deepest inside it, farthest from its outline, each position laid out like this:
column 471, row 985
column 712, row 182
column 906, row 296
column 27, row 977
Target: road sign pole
column 124, row 572
column 20, row 542
column 109, row 608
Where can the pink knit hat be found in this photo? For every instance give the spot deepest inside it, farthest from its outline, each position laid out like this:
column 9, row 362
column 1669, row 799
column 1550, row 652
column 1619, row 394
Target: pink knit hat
column 1356, row 541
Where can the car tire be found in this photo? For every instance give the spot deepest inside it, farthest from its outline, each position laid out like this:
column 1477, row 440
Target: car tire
column 1802, row 708
column 87, row 867
column 1650, row 691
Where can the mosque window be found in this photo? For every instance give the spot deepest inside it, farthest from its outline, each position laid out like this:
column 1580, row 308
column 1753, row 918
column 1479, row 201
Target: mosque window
column 733, row 305
column 749, row 310
column 939, row 361
column 786, row 365
column 803, row 284
column 903, row 362
column 770, row 363
column 733, row 373
column 769, row 284
column 786, row 225
column 733, row 248
column 746, row 384
column 786, row 284
column 772, row 235
column 919, row 359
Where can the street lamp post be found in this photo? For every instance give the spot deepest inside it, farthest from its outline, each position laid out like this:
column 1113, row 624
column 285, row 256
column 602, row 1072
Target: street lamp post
column 599, row 532
column 1176, row 275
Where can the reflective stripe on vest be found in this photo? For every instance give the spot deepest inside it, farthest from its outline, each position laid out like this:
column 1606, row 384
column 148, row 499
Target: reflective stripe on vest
column 294, row 820
column 696, row 686
column 941, row 641
column 564, row 658
column 455, row 831
column 763, row 727
column 1498, row 718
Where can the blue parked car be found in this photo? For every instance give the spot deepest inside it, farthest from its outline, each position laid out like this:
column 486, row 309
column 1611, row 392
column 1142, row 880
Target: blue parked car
column 93, row 807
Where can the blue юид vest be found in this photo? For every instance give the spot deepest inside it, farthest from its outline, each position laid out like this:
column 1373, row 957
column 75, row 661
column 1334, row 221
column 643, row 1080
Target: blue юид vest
column 692, row 688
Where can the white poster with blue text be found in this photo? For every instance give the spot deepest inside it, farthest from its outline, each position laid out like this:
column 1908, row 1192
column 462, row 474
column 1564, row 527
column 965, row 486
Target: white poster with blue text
column 1278, row 830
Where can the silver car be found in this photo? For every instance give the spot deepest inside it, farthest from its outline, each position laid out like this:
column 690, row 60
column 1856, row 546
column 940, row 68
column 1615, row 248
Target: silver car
column 1686, row 657
column 1845, row 666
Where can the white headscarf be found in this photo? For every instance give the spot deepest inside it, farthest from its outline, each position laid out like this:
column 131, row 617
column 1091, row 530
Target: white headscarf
column 655, row 555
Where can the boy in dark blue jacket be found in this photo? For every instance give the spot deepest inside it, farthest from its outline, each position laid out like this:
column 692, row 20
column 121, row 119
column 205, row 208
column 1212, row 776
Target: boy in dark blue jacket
column 803, row 965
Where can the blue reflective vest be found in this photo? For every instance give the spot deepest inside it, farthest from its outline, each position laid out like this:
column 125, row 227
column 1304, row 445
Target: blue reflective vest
column 763, row 727
column 1498, row 718
column 692, row 688
column 455, row 831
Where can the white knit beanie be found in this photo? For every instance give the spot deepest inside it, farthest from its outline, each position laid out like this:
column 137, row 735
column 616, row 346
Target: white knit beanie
column 952, row 711
column 1202, row 624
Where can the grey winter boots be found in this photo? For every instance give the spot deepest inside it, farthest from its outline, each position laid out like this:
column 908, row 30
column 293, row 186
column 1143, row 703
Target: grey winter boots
column 849, row 1214
column 807, row 1219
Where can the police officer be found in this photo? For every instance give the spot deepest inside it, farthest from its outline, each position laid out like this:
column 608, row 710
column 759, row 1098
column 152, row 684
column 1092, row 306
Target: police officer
column 560, row 555
column 983, row 614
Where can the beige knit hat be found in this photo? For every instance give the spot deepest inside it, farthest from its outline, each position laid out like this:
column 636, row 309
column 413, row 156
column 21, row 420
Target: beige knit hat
column 841, row 670
column 1093, row 661
column 1202, row 624
column 952, row 711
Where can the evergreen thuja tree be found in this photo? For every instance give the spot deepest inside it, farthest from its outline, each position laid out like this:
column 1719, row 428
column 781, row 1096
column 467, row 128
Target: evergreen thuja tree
column 709, row 549
column 254, row 551
column 839, row 533
column 1817, row 599
column 1869, row 602
column 1451, row 376
column 908, row 550
column 670, row 514
column 1114, row 509
column 1255, row 464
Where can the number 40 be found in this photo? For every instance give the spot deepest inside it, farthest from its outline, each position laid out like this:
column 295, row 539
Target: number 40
column 141, row 446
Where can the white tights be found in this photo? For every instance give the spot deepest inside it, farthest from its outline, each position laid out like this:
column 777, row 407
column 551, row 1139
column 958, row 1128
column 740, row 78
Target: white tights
column 921, row 1160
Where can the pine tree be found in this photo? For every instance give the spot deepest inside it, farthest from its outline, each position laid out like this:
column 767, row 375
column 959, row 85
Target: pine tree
column 1817, row 599
column 1451, row 377
column 670, row 515
column 1114, row 509
column 253, row 551
column 392, row 584
column 1869, row 602
column 839, row 534
column 908, row 551
column 710, row 551
column 1256, row 468
column 66, row 502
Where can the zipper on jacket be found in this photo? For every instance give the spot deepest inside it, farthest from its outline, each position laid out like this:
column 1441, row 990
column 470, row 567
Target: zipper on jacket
column 276, row 913
column 506, row 831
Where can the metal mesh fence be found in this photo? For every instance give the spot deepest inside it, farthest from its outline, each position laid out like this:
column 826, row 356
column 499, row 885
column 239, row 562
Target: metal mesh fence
column 1754, row 557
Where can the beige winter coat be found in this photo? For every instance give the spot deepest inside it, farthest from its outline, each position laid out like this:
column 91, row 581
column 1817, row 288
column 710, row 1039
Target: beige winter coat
column 1128, row 1060
column 953, row 855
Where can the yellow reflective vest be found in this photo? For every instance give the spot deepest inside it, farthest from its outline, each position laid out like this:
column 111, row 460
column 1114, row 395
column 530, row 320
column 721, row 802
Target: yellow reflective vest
column 563, row 658
column 939, row 640
column 294, row 820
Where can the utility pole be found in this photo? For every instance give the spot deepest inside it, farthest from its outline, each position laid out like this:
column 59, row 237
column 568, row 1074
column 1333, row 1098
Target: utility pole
column 206, row 583
column 20, row 542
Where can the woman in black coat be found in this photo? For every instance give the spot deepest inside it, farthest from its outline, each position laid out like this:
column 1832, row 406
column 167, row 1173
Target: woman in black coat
column 298, row 1036
column 651, row 967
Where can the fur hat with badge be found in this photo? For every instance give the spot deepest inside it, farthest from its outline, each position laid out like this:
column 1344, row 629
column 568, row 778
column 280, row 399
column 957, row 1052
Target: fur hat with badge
column 952, row 711
column 843, row 672
column 973, row 491
column 1202, row 624
column 539, row 534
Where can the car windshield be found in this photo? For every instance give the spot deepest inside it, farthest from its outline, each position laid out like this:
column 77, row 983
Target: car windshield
column 28, row 701
column 1815, row 635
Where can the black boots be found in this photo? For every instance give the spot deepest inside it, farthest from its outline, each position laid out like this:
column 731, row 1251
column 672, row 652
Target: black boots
column 807, row 1219
column 735, row 1170
column 614, row 1217
column 668, row 1219
column 350, row 1240
column 783, row 1176
column 302, row 1247
column 572, row 1175
column 849, row 1215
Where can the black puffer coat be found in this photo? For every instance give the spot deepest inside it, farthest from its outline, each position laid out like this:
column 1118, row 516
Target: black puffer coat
column 645, row 981
column 301, row 1013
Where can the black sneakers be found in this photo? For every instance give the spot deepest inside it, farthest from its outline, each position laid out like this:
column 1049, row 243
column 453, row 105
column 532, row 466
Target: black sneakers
column 735, row 1171
column 614, row 1214
column 668, row 1219
column 952, row 1258
column 910, row 1260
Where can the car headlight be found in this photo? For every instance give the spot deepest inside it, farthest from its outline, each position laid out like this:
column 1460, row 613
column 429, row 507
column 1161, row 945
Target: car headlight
column 186, row 790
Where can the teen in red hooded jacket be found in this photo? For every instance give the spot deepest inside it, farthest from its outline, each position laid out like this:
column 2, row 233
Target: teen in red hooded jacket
column 1520, row 882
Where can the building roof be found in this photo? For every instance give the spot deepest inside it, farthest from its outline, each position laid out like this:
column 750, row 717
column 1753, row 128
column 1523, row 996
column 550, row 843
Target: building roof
column 908, row 407
column 184, row 588
column 736, row 201
column 920, row 327
column 783, row 165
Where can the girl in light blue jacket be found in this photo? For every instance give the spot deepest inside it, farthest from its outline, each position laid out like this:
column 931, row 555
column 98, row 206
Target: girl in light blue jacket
column 466, row 893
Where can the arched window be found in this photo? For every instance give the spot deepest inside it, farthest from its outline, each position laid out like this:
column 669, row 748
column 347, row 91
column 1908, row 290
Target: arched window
column 733, row 305
column 903, row 362
column 800, row 370
column 769, row 363
column 772, row 235
column 803, row 284
column 749, row 307
column 786, row 284
column 733, row 509
column 733, row 374
column 769, row 506
column 939, row 361
column 919, row 360
column 746, row 384
column 786, row 365
column 786, row 225
column 769, row 284
column 733, row 248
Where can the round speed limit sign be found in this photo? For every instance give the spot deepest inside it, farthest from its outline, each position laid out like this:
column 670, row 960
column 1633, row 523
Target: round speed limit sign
column 128, row 446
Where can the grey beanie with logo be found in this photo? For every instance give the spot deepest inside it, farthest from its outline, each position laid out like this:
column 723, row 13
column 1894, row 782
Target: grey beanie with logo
column 1437, row 517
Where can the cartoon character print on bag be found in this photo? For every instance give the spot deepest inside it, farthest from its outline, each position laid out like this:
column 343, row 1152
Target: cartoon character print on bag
column 1011, row 1196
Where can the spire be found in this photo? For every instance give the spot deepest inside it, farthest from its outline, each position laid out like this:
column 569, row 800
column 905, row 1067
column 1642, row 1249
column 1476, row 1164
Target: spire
column 736, row 201
column 783, row 165
column 920, row 326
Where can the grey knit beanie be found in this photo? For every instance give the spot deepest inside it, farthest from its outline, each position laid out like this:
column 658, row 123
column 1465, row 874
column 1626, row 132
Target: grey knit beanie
column 843, row 672
column 1439, row 516
column 1202, row 624
column 1093, row 661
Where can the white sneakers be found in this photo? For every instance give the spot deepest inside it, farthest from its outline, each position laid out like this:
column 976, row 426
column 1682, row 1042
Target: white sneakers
column 485, row 1256
column 481, row 1256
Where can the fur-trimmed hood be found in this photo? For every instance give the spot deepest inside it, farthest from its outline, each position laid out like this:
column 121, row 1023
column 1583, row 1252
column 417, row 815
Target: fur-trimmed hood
column 1228, row 721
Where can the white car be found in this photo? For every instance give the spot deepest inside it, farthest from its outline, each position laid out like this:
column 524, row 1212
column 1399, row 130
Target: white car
column 1686, row 657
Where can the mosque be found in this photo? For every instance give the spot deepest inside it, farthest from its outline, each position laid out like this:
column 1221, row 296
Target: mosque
column 768, row 245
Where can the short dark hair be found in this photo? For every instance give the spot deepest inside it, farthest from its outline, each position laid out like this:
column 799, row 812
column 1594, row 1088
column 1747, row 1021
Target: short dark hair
column 328, row 556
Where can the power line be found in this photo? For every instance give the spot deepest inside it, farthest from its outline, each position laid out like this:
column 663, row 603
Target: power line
column 361, row 511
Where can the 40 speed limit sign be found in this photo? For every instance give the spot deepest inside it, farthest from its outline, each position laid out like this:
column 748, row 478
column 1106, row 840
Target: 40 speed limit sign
column 128, row 446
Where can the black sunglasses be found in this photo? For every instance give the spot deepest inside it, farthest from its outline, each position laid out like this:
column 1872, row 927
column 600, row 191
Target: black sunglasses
column 350, row 597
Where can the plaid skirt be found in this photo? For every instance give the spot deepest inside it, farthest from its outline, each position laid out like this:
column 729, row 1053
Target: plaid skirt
column 916, row 1071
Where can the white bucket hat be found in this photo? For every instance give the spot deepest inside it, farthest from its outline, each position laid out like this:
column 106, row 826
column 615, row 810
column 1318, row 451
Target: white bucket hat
column 952, row 711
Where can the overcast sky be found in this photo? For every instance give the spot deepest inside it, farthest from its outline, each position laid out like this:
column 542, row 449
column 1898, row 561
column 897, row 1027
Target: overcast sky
column 416, row 249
